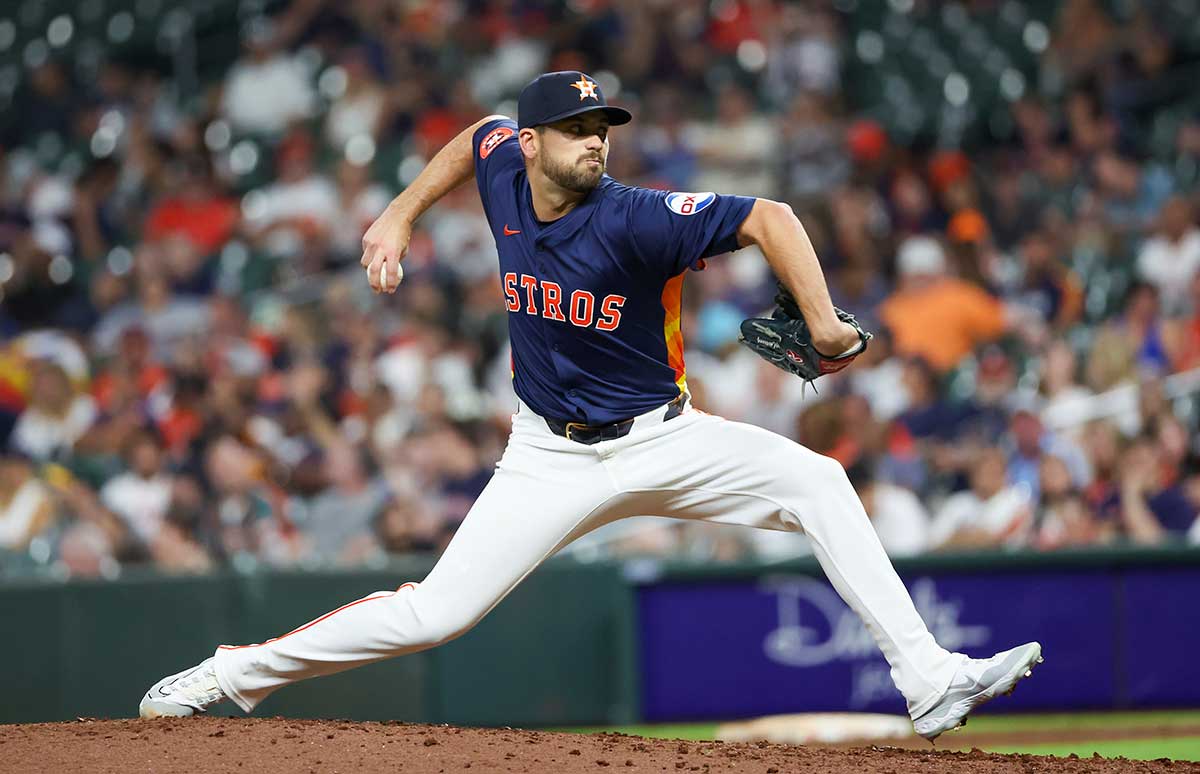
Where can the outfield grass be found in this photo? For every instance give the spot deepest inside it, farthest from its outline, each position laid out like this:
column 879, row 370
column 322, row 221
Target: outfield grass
column 1179, row 748
column 1085, row 720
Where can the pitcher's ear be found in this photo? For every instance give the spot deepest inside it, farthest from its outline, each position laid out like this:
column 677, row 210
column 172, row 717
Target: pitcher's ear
column 530, row 139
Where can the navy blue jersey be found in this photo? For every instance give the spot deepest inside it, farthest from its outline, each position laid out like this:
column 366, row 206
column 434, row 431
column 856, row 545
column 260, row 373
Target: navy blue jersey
column 593, row 297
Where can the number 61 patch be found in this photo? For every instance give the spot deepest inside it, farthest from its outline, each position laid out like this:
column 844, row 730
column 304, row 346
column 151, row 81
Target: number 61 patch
column 682, row 203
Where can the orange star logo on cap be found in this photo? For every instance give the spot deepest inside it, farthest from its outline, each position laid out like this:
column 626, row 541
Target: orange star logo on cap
column 586, row 88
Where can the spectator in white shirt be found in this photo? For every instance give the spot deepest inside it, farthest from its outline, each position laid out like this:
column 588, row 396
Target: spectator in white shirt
column 991, row 513
column 359, row 110
column 267, row 89
column 1170, row 260
column 898, row 516
column 297, row 212
column 141, row 496
column 1068, row 403
column 57, row 415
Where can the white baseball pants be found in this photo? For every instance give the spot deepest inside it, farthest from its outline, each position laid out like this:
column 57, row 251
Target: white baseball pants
column 548, row 491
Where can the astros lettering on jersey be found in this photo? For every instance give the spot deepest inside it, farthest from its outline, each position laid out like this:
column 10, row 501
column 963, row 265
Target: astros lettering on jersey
column 593, row 297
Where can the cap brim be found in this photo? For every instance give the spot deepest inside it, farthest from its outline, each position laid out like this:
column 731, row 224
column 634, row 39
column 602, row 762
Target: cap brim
column 616, row 115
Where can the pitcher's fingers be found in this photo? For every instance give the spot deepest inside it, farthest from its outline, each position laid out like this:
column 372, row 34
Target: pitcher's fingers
column 392, row 278
column 382, row 259
column 373, row 273
column 368, row 254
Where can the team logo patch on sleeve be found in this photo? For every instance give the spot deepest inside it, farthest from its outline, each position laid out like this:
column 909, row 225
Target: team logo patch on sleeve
column 688, row 203
column 494, row 138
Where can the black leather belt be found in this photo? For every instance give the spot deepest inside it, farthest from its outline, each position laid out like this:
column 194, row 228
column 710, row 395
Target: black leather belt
column 591, row 434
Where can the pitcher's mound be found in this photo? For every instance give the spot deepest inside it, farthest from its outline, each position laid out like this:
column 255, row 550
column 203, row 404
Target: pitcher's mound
column 281, row 746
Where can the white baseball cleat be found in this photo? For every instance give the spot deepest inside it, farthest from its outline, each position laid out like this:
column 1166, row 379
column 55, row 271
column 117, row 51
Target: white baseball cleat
column 977, row 681
column 183, row 694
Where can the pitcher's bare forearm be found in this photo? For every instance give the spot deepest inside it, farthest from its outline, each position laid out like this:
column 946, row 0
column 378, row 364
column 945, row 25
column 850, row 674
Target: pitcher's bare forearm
column 785, row 244
column 386, row 241
column 453, row 165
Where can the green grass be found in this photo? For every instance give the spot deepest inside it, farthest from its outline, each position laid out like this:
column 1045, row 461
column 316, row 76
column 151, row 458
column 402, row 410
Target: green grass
column 1084, row 720
column 1179, row 748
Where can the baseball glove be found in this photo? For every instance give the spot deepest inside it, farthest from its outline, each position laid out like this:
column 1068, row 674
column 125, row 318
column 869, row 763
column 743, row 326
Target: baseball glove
column 783, row 339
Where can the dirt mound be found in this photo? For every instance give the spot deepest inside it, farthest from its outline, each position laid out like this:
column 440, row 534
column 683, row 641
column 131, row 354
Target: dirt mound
column 268, row 745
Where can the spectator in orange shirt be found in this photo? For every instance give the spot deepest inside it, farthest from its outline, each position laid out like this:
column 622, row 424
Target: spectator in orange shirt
column 133, row 370
column 198, row 212
column 935, row 316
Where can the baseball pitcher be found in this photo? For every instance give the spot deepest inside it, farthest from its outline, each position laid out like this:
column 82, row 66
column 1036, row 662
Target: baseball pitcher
column 591, row 271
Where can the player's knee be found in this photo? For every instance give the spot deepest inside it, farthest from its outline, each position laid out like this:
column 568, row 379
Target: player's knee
column 817, row 493
column 441, row 620
column 835, row 471
column 446, row 627
column 816, row 468
column 835, row 475
column 826, row 477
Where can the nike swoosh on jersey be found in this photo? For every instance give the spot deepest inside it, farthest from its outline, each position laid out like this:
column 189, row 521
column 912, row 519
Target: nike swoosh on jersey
column 509, row 232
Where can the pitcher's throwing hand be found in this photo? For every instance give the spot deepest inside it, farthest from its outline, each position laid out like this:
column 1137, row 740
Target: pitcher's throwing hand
column 384, row 245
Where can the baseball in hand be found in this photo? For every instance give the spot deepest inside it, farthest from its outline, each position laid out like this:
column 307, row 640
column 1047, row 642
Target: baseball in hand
column 378, row 275
column 384, row 246
column 384, row 276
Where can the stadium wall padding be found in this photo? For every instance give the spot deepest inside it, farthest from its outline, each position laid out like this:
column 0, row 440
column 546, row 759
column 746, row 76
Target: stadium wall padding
column 611, row 643
column 1119, row 629
column 558, row 650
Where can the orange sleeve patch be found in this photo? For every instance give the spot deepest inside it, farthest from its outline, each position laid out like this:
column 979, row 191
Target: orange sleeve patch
column 494, row 138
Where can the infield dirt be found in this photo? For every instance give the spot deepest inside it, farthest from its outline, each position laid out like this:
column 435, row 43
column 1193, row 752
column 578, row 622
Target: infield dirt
column 271, row 745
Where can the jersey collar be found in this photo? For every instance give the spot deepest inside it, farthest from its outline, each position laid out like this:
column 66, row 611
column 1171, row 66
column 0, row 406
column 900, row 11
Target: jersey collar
column 568, row 225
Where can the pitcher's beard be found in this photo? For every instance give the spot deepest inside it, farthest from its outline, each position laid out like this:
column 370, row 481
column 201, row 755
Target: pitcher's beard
column 572, row 178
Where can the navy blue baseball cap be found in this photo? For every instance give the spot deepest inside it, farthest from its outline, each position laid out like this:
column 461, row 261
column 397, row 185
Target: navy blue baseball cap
column 554, row 96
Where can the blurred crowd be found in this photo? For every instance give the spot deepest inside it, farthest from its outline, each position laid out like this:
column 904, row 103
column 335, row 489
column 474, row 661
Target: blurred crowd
column 194, row 374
